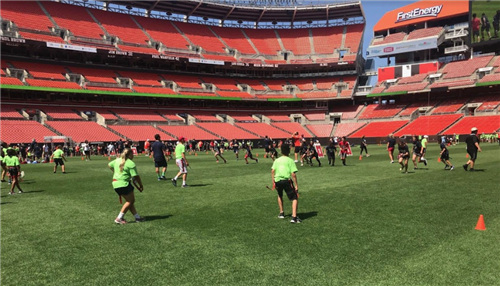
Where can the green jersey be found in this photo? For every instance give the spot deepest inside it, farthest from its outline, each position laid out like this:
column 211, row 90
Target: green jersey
column 179, row 150
column 424, row 142
column 283, row 168
column 58, row 154
column 11, row 161
column 122, row 179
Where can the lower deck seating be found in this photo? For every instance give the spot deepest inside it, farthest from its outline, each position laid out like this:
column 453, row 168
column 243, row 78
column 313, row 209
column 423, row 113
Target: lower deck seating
column 60, row 112
column 113, row 89
column 23, row 131
column 264, row 129
column 156, row 90
column 489, row 103
column 428, row 125
column 321, row 130
column 315, row 116
column 415, row 106
column 227, row 131
column 344, row 129
column 380, row 111
column 486, row 124
column 79, row 131
column 348, row 111
column 278, row 118
column 292, row 127
column 379, row 129
column 10, row 81
column 140, row 132
column 190, row 132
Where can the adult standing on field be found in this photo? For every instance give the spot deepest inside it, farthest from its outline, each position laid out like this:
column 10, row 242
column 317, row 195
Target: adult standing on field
column 86, row 150
column 297, row 144
column 182, row 163
column 124, row 170
column 58, row 157
column 283, row 174
column 159, row 149
column 363, row 145
column 391, row 144
column 472, row 148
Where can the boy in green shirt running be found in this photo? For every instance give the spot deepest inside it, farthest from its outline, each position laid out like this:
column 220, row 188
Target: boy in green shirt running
column 285, row 179
column 182, row 163
column 58, row 157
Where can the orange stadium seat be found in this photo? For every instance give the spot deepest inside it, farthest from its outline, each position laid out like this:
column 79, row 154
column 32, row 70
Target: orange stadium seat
column 278, row 118
column 428, row 125
column 424, row 33
column 163, row 31
column 296, row 40
column 321, row 130
column 489, row 103
column 74, row 18
column 464, row 68
column 120, row 25
column 95, row 75
column 379, row 129
column 348, row 111
column 52, row 83
column 235, row 39
column 326, row 40
column 60, row 112
column 21, row 131
column 11, row 112
column 234, row 94
column 344, row 129
column 41, row 37
column 41, row 71
column 449, row 106
column 80, row 131
column 138, row 114
column 114, row 89
column 353, row 37
column 380, row 111
column 159, row 90
column 263, row 129
column 315, row 116
column 391, row 38
column 414, row 106
column 28, row 15
column 10, row 81
column 264, row 40
column 291, row 127
column 201, row 35
column 140, row 78
column 188, row 131
column 486, row 124
column 227, row 131
column 140, row 132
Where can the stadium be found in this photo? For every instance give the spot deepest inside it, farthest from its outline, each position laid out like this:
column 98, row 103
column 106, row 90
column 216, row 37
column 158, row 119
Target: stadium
column 221, row 70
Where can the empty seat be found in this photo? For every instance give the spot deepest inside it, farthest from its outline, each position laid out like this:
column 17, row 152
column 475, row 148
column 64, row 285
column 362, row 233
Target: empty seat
column 264, row 129
column 321, row 130
column 80, row 131
column 344, row 129
column 140, row 132
column 379, row 129
column 291, row 127
column 428, row 125
column 189, row 132
column 24, row 131
column 227, row 131
column 486, row 124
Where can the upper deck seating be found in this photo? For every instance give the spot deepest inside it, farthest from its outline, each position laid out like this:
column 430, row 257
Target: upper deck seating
column 41, row 71
column 201, row 35
column 60, row 112
column 449, row 106
column 296, row 40
column 381, row 111
column 321, row 130
column 424, row 33
column 465, row 68
column 120, row 25
column 235, row 39
column 353, row 37
column 489, row 102
column 391, row 38
column 348, row 111
column 28, row 15
column 264, row 40
column 163, row 31
column 326, row 40
column 140, row 78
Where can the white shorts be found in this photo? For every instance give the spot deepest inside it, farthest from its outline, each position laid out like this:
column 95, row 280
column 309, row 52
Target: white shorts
column 182, row 165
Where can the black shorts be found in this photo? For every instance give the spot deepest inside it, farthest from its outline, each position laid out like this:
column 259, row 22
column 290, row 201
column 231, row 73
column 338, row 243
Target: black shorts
column 475, row 33
column 445, row 156
column 161, row 163
column 59, row 162
column 297, row 149
column 87, row 152
column 485, row 27
column 123, row 191
column 266, row 148
column 235, row 149
column 472, row 155
column 287, row 186
column 13, row 172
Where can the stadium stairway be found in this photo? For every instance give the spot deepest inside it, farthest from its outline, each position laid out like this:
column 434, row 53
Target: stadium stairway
column 116, row 132
column 143, row 30
column 247, row 130
column 48, row 14
column 308, row 130
column 165, row 131
column 98, row 23
column 251, row 43
column 218, row 37
column 52, row 129
column 206, row 130
column 280, row 42
column 311, row 42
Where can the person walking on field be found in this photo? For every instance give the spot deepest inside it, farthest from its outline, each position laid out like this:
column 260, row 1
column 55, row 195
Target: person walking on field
column 472, row 148
column 404, row 156
column 363, row 147
column 158, row 150
column 147, row 147
column 283, row 174
column 58, row 157
column 14, row 169
column 391, row 143
column 182, row 163
column 125, row 171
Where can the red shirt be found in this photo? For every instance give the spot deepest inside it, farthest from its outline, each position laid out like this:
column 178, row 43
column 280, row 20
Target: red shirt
column 344, row 146
column 475, row 24
column 296, row 140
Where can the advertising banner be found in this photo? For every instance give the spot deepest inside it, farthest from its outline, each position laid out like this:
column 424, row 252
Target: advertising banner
column 401, row 47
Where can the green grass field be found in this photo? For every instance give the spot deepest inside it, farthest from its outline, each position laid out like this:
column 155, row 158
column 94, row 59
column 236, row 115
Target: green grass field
column 363, row 224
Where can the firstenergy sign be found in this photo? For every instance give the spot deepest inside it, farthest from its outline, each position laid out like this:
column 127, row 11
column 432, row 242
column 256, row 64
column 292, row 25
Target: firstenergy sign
column 419, row 13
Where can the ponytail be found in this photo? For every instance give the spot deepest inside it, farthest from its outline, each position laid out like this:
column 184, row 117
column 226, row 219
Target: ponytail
column 126, row 154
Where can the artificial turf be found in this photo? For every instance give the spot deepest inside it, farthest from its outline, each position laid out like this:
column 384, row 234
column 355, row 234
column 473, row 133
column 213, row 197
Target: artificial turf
column 363, row 224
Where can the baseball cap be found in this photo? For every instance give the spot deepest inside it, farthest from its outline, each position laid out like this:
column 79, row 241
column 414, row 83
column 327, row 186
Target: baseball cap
column 182, row 139
column 425, row 136
column 473, row 129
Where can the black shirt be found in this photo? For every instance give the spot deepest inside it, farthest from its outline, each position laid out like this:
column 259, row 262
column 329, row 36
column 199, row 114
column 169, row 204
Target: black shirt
column 330, row 149
column 392, row 142
column 417, row 146
column 158, row 149
column 404, row 149
column 267, row 142
column 471, row 141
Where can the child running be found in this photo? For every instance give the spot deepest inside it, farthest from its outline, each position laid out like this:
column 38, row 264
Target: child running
column 249, row 153
column 58, row 157
column 417, row 149
column 218, row 152
column 313, row 153
column 344, row 149
column 445, row 155
column 14, row 168
column 284, row 179
column 182, row 163
column 404, row 155
column 236, row 147
column 330, row 152
column 124, row 170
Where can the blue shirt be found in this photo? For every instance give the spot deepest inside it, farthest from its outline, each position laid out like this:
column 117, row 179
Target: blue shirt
column 158, row 149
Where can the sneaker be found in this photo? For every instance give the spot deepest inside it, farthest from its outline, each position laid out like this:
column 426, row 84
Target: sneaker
column 319, row 165
column 257, row 160
column 120, row 221
column 11, row 193
column 465, row 167
column 296, row 161
column 174, row 182
column 392, row 162
column 471, row 170
column 281, row 215
column 20, row 192
column 163, row 178
column 185, row 186
column 216, row 161
column 446, row 167
column 225, row 161
column 159, row 179
column 452, row 168
column 302, row 164
column 295, row 220
column 425, row 162
column 141, row 219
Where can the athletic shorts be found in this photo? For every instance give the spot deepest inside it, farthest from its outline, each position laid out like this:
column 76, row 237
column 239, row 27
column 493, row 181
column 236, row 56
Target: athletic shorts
column 445, row 156
column 235, row 150
column 13, row 172
column 59, row 162
column 475, row 33
column 417, row 154
column 266, row 148
column 161, row 163
column 472, row 155
column 485, row 27
column 87, row 152
column 123, row 191
column 287, row 186
column 390, row 149
column 343, row 155
column 182, row 165
column 297, row 149
column 403, row 156
column 425, row 149
column 248, row 155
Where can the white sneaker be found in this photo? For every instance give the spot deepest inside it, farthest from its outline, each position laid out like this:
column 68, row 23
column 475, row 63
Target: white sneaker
column 296, row 161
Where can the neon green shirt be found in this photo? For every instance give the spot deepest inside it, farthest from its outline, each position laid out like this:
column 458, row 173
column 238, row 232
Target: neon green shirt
column 11, row 161
column 424, row 142
column 179, row 150
column 283, row 168
column 122, row 179
column 58, row 154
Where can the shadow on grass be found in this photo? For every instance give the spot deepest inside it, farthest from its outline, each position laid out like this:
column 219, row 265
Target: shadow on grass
column 304, row 216
column 36, row 191
column 156, row 217
column 200, row 185
column 478, row 170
